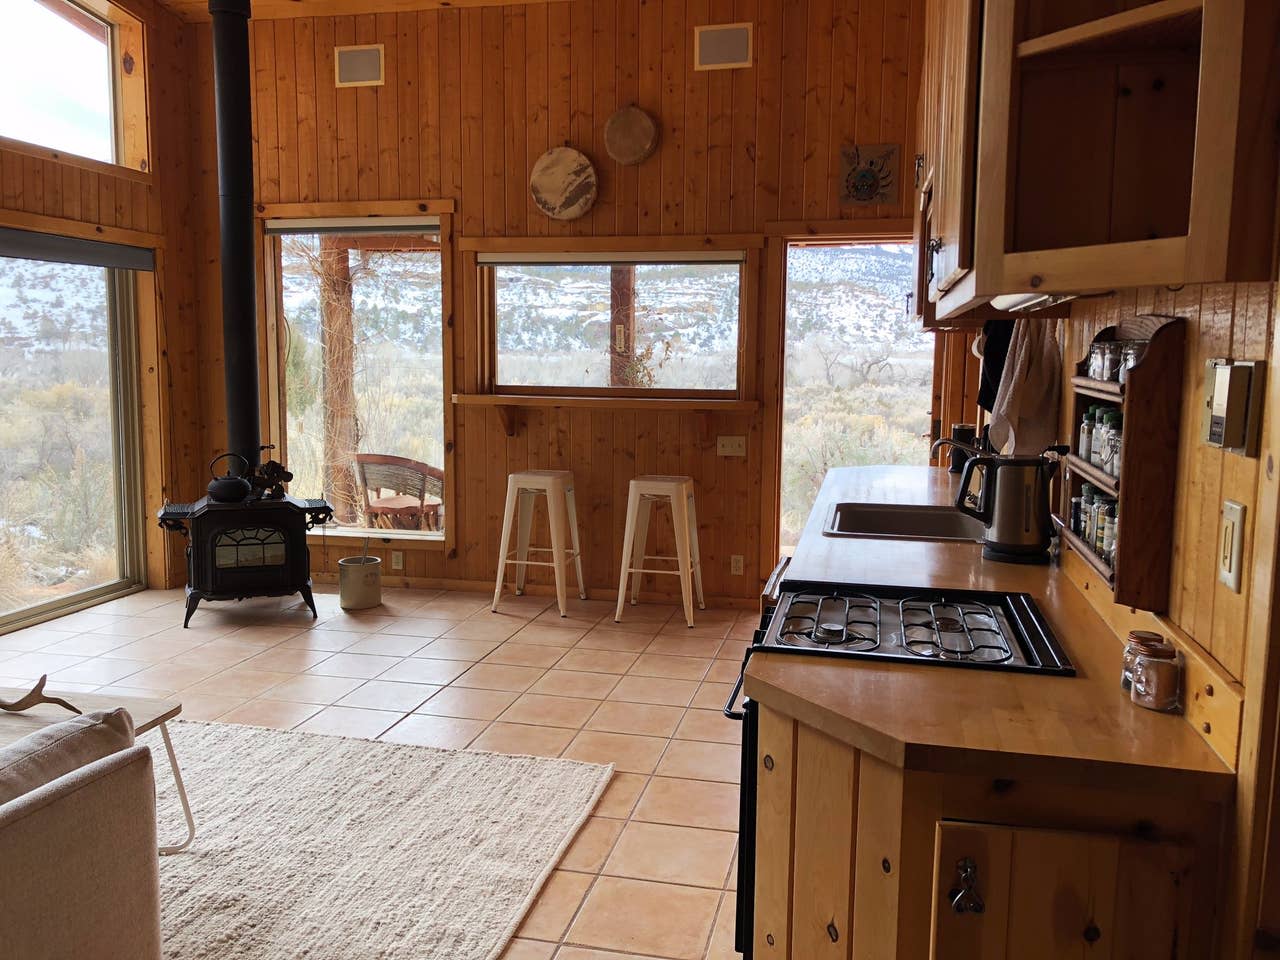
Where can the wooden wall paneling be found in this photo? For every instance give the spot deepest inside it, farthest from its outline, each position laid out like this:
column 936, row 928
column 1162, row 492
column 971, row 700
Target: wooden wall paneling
column 326, row 122
column 696, row 118
column 368, row 123
column 618, row 85
column 288, row 114
column 559, row 92
column 844, row 89
column 721, row 120
column 305, row 111
column 820, row 151
column 672, row 112
column 387, row 99
column 775, row 802
column 513, row 150
column 471, row 95
column 744, row 145
column 450, row 106
column 649, row 215
column 266, row 100
column 427, row 50
column 791, row 145
column 581, row 97
column 870, row 83
column 344, row 35
column 772, row 314
column 603, row 92
column 897, row 96
column 536, row 124
column 493, row 111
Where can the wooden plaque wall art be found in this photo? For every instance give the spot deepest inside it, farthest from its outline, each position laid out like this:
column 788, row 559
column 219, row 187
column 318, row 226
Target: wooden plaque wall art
column 630, row 136
column 869, row 173
column 563, row 183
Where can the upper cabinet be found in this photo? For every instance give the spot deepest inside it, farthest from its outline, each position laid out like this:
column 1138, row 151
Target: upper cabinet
column 1074, row 147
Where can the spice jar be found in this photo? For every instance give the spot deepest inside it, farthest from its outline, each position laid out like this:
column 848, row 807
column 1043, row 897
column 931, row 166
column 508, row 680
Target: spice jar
column 1131, row 353
column 1137, row 642
column 1157, row 679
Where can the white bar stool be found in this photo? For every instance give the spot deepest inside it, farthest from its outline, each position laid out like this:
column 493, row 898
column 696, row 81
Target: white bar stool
column 684, row 517
column 557, row 487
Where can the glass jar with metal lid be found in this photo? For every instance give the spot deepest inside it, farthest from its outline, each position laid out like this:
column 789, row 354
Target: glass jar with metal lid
column 1138, row 642
column 1157, row 679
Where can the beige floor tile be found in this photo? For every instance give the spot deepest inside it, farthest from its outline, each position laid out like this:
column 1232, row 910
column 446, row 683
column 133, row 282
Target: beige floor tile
column 692, row 856
column 491, row 627
column 262, row 636
column 286, row 661
column 647, row 719
column 350, row 722
column 669, row 667
column 712, row 696
column 37, row 638
column 308, row 688
column 528, row 950
column 701, row 761
column 331, row 640
column 525, row 654
column 241, row 682
column 679, row 645
column 354, row 623
column 620, row 796
column 417, row 670
column 593, row 844
column 523, row 739
column 135, row 628
column 528, row 605
column 98, row 671
column 454, row 606
column 597, row 661
column 91, row 645
column 210, row 706
column 499, row 676
column 733, row 650
column 623, row 640
column 704, row 628
column 388, row 645
column 75, row 623
column 36, row 664
column 453, row 648
column 555, row 906
column 549, row 634
column 419, row 627
column 655, row 614
column 221, row 654
column 574, row 683
column 689, row 803
column 468, row 704
column 389, row 695
column 568, row 952
column 363, row 666
column 710, row 725
column 577, row 610
column 168, row 676
column 278, row 714
column 722, row 934
column 673, row 693
column 629, row 753
column 539, row 709
column 732, row 882
column 449, row 733
column 638, row 916
column 723, row 671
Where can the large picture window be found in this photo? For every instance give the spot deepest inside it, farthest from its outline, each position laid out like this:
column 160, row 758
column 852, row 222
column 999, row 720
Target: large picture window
column 364, row 371
column 69, row 493
column 612, row 325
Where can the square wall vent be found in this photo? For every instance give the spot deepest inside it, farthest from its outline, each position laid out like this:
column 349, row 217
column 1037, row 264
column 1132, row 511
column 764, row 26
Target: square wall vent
column 722, row 46
column 359, row 66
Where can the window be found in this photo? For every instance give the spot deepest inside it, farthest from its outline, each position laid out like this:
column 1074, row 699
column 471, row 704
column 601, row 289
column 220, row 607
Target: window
column 69, row 493
column 364, row 370
column 859, row 371
column 616, row 325
column 55, row 69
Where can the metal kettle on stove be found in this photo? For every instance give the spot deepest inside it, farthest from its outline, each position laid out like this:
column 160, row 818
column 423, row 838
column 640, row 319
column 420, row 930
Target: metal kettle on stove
column 1012, row 501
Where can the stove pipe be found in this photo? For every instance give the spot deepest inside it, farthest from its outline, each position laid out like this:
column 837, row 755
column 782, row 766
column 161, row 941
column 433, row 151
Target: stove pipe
column 231, row 85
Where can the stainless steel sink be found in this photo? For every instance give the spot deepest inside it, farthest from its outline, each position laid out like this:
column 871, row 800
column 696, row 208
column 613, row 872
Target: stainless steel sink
column 899, row 522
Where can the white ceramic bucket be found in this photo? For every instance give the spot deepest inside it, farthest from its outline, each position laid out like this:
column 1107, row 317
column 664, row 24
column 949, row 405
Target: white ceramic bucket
column 359, row 582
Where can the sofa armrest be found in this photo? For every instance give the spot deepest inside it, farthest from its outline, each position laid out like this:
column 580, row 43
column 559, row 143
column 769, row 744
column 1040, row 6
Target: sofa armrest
column 80, row 871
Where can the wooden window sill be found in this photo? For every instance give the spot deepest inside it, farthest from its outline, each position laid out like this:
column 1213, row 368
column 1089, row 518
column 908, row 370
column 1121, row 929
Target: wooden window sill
column 354, row 538
column 507, row 404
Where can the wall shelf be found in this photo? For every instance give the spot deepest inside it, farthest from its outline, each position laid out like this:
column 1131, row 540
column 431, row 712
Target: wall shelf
column 1108, row 390
column 1161, row 22
column 1100, row 566
column 1103, row 481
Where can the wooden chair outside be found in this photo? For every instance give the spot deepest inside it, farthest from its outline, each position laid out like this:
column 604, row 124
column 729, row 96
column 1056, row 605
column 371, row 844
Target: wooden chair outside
column 395, row 491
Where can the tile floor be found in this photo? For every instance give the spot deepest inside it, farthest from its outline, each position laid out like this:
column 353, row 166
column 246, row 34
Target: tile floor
column 651, row 875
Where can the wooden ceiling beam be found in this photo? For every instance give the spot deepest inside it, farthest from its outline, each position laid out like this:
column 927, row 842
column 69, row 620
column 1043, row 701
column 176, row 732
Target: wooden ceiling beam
column 197, row 11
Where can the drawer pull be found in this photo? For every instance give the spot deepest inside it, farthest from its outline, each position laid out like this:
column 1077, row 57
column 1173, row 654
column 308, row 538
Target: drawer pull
column 965, row 898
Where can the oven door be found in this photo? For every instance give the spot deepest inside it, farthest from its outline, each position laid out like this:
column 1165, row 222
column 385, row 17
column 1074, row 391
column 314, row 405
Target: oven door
column 744, row 922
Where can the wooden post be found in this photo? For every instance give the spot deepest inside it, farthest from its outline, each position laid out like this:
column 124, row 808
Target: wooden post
column 622, row 326
column 337, row 365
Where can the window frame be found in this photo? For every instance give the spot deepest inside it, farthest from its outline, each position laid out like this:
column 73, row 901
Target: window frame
column 130, row 115
column 377, row 218
column 484, row 255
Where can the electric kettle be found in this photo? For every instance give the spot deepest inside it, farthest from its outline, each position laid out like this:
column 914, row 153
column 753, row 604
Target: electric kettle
column 1012, row 501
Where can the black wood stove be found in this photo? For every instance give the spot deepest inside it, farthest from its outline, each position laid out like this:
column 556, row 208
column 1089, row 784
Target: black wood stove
column 247, row 538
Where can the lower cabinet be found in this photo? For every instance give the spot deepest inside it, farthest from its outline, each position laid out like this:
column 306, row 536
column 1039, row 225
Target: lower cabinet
column 859, row 859
column 1007, row 892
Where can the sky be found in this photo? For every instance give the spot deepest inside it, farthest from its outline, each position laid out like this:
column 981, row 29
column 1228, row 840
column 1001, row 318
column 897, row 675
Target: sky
column 55, row 82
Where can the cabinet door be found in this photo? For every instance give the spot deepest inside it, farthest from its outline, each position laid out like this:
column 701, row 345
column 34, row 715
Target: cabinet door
column 954, row 104
column 1004, row 893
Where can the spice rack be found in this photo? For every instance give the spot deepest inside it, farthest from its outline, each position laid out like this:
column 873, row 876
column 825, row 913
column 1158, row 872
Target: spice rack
column 1151, row 402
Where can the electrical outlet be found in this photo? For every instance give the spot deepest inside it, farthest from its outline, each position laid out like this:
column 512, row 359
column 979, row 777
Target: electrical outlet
column 735, row 565
column 397, row 559
column 1231, row 544
column 731, row 446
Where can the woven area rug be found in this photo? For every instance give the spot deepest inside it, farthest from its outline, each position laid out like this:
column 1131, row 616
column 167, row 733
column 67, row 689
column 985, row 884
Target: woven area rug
column 328, row 847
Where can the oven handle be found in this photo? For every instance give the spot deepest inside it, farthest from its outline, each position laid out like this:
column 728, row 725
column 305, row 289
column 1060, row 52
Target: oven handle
column 729, row 711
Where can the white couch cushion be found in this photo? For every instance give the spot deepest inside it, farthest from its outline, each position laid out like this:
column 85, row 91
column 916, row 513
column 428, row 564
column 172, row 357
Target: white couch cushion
column 60, row 748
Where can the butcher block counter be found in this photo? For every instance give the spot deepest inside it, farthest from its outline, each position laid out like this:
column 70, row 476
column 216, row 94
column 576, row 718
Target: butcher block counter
column 879, row 792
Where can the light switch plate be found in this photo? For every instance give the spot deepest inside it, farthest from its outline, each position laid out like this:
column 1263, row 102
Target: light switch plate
column 397, row 559
column 731, row 446
column 1231, row 544
column 735, row 565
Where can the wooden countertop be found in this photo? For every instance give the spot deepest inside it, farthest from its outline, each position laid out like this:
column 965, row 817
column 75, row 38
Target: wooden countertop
column 1082, row 729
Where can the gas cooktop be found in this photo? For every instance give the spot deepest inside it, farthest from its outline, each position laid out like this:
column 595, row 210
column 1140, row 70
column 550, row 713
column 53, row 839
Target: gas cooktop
column 959, row 628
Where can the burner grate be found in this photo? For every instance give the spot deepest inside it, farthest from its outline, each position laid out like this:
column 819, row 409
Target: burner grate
column 944, row 630
column 822, row 621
